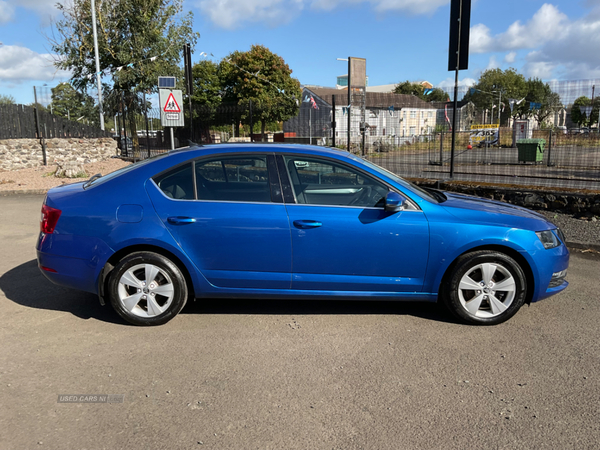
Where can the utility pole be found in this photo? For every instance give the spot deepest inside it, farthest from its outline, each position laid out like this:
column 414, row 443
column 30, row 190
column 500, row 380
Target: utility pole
column 98, row 78
column 500, row 109
column 189, row 84
column 349, row 101
column 458, row 55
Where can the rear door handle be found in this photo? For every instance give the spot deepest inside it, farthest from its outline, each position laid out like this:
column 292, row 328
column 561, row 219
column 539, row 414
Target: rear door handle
column 180, row 220
column 304, row 224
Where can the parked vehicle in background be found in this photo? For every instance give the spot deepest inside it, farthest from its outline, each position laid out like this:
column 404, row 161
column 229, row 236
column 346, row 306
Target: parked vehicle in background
column 262, row 221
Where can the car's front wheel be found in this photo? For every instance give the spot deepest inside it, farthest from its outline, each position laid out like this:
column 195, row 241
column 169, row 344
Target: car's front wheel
column 146, row 288
column 485, row 288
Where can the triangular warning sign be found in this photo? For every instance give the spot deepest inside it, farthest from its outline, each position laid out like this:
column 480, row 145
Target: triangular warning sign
column 171, row 105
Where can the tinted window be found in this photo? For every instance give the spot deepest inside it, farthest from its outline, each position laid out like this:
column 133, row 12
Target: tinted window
column 233, row 178
column 177, row 183
column 322, row 182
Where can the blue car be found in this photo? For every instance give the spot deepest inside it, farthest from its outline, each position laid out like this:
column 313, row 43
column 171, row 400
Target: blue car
column 262, row 221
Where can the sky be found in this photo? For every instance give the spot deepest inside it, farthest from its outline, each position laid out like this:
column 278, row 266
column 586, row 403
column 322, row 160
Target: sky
column 400, row 39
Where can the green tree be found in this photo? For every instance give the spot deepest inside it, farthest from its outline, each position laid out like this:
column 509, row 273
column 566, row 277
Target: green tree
column 494, row 83
column 207, row 84
column 263, row 77
column 39, row 106
column 7, row 100
column 540, row 92
column 418, row 90
column 69, row 103
column 144, row 37
column 207, row 91
column 579, row 117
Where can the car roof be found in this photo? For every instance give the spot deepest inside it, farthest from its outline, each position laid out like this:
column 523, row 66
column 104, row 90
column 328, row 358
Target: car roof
column 264, row 147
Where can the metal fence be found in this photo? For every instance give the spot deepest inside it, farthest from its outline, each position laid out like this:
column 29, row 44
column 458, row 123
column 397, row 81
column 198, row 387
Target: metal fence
column 19, row 122
column 567, row 161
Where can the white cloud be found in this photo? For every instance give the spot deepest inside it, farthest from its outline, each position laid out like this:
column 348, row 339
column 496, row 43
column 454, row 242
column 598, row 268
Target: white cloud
column 7, row 12
column 408, row 6
column 20, row 63
column 510, row 57
column 559, row 45
column 538, row 68
column 45, row 9
column 493, row 63
column 547, row 24
column 449, row 82
column 231, row 14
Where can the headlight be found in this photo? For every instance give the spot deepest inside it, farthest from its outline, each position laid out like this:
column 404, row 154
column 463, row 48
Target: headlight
column 561, row 236
column 548, row 239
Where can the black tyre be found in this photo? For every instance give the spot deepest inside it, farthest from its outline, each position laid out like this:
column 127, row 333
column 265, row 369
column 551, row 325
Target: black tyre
column 146, row 288
column 484, row 288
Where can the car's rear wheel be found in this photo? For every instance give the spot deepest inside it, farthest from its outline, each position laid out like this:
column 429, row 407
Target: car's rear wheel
column 485, row 288
column 146, row 288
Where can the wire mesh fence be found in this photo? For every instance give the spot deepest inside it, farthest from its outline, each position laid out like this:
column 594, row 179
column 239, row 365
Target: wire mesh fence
column 401, row 133
column 562, row 161
column 411, row 141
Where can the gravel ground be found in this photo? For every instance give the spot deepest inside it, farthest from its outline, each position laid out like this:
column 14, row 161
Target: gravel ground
column 584, row 229
column 42, row 177
column 580, row 229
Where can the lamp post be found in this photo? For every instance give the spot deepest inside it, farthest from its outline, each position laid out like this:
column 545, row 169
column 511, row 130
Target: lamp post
column 349, row 101
column 98, row 79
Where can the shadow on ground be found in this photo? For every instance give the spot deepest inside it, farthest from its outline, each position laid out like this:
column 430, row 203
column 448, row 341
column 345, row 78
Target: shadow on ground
column 25, row 285
column 429, row 311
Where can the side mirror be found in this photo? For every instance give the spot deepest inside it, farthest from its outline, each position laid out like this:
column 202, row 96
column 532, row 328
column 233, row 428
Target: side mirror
column 394, row 202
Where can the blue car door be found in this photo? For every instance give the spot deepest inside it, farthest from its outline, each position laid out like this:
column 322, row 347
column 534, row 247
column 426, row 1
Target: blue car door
column 232, row 224
column 342, row 238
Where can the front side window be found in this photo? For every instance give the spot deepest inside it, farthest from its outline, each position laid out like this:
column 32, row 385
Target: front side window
column 233, row 178
column 323, row 182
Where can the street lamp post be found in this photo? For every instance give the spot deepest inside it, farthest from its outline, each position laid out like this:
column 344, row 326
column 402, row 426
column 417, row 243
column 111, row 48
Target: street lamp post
column 98, row 79
column 349, row 101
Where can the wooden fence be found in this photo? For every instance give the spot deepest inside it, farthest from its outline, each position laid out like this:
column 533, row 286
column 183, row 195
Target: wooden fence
column 19, row 122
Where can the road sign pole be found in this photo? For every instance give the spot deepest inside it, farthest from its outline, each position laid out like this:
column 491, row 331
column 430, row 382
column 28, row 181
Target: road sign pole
column 172, row 139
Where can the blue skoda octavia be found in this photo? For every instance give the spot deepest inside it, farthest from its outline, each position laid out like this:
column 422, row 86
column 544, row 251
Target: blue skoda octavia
column 291, row 222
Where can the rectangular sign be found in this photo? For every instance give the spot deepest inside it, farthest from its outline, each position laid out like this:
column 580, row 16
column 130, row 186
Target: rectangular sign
column 171, row 107
column 480, row 134
column 460, row 24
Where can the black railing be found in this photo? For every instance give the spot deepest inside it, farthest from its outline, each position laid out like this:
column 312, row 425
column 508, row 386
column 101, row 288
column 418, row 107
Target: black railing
column 19, row 122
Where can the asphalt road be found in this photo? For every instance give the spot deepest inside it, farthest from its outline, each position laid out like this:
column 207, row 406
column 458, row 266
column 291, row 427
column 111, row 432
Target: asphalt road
column 290, row 375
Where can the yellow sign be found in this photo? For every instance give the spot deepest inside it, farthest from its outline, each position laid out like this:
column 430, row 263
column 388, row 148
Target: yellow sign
column 484, row 127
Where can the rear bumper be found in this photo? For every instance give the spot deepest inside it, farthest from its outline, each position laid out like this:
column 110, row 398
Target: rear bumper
column 69, row 272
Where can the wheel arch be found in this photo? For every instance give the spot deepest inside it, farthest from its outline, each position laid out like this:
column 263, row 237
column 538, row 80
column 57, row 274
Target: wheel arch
column 123, row 252
column 509, row 251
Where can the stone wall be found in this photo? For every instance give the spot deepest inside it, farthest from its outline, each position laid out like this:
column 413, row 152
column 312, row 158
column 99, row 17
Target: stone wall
column 25, row 153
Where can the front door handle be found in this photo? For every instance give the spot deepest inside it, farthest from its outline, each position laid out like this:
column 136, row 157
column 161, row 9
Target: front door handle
column 179, row 220
column 304, row 224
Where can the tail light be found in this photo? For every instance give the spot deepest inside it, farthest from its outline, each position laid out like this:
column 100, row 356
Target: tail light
column 49, row 219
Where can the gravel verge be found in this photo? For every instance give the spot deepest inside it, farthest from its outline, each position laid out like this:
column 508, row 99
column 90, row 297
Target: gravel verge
column 579, row 231
column 40, row 179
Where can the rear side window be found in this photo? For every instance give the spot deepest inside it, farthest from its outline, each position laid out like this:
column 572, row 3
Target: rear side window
column 177, row 183
column 233, row 178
